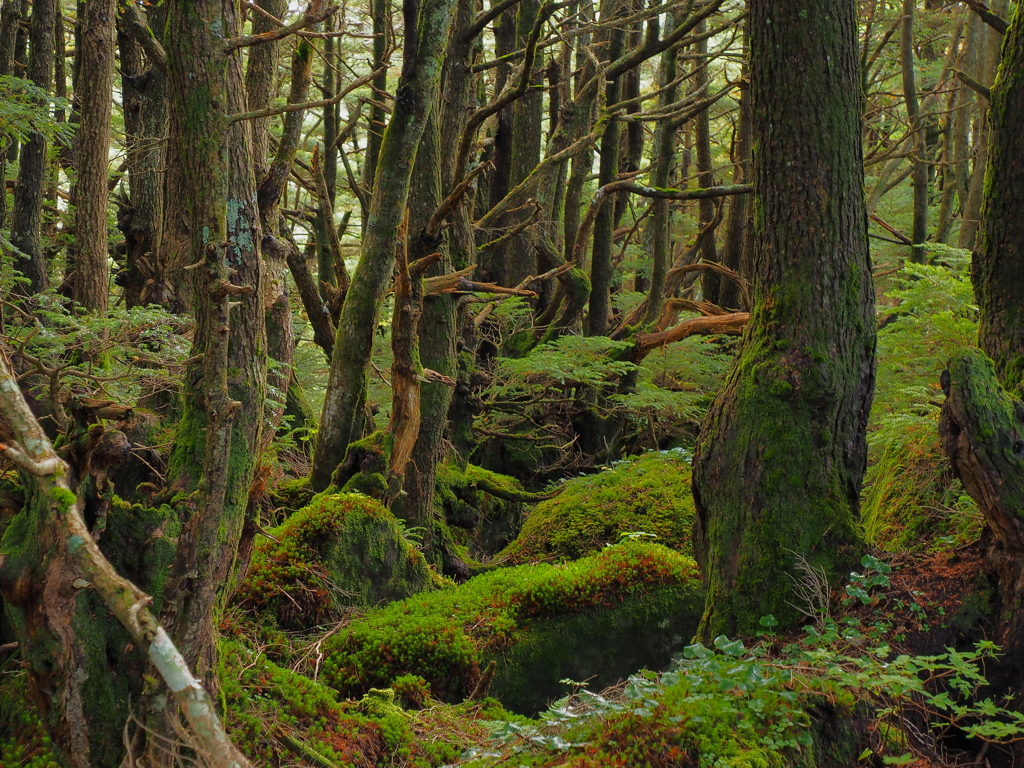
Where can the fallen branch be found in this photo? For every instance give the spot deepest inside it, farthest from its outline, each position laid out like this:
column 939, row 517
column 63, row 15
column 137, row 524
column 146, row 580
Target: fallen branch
column 34, row 453
column 731, row 324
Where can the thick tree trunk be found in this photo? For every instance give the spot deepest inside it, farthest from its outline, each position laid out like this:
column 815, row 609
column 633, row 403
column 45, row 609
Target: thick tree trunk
column 214, row 453
column 417, row 93
column 93, row 85
column 10, row 23
column 26, row 213
column 782, row 452
column 998, row 267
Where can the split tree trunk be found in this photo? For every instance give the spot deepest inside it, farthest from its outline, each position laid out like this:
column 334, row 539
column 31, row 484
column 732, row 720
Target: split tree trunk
column 782, row 451
column 416, row 94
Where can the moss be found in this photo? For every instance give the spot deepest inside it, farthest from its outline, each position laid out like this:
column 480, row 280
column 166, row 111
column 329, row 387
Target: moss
column 649, row 494
column 343, row 549
column 267, row 705
column 24, row 742
column 292, row 494
column 463, row 502
column 366, row 466
column 444, row 637
column 911, row 500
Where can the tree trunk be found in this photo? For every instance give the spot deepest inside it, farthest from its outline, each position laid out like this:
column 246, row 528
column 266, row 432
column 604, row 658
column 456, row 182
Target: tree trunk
column 93, row 85
column 144, row 100
column 997, row 270
column 712, row 284
column 657, row 232
column 416, row 95
column 10, row 23
column 26, row 213
column 919, row 156
column 782, row 452
column 214, row 452
column 736, row 250
column 982, row 429
column 988, row 63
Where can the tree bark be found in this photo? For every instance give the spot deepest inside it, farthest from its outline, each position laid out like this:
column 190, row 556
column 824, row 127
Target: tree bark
column 736, row 250
column 919, row 156
column 997, row 269
column 26, row 213
column 782, row 452
column 93, row 87
column 982, row 429
column 144, row 100
column 417, row 93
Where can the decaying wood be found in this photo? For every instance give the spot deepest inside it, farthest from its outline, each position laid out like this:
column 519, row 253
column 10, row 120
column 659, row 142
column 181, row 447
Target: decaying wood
column 982, row 430
column 34, row 454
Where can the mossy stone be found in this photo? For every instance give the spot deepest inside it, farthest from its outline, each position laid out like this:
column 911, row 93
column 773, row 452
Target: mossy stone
column 649, row 494
column 631, row 604
column 342, row 549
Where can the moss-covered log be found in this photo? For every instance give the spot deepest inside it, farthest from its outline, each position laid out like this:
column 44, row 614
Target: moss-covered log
column 782, row 452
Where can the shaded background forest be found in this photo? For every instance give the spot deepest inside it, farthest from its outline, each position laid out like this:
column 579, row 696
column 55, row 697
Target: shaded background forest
column 447, row 257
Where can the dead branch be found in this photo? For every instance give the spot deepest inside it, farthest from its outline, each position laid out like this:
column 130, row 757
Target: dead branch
column 314, row 15
column 731, row 324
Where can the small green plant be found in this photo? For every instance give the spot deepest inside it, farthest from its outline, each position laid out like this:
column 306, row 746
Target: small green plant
column 876, row 574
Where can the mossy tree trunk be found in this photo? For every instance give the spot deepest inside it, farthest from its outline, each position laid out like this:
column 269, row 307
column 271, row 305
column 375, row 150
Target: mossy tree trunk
column 214, row 453
column 782, row 452
column 437, row 326
column 426, row 40
column 997, row 270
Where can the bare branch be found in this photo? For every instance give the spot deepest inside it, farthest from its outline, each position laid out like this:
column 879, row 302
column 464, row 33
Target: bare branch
column 312, row 16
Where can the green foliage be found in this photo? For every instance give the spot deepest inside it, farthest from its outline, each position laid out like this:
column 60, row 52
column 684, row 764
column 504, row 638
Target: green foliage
column 26, row 109
column 24, row 742
column 342, row 549
column 444, row 636
column 127, row 355
column 733, row 706
column 543, row 394
column 911, row 501
column 934, row 315
column 650, row 494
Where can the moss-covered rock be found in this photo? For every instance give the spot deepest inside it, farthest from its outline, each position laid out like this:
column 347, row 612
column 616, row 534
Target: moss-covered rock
column 342, row 549
column 649, row 494
column 629, row 606
column 911, row 500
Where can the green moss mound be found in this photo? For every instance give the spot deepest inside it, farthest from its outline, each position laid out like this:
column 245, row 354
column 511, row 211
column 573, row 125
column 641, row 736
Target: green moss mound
column 342, row 549
column 911, row 500
column 649, row 494
column 534, row 620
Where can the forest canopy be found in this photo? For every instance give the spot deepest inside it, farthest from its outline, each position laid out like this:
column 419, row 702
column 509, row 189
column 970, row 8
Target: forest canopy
column 511, row 382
